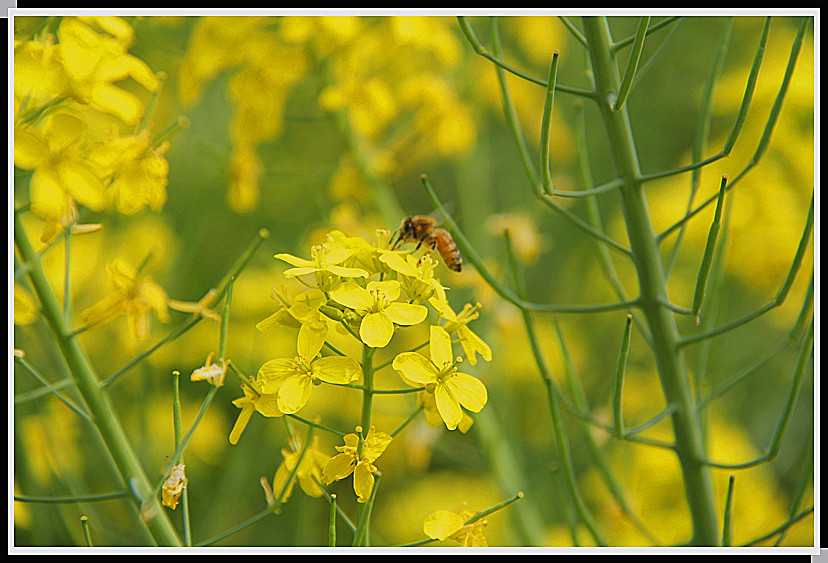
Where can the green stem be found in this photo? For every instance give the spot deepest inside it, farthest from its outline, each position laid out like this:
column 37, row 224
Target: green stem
column 367, row 391
column 669, row 357
column 98, row 403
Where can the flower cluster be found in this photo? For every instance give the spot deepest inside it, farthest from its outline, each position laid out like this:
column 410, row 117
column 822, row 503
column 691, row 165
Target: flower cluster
column 371, row 290
column 77, row 130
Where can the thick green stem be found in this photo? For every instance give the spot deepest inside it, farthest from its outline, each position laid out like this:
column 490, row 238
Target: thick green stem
column 670, row 361
column 100, row 408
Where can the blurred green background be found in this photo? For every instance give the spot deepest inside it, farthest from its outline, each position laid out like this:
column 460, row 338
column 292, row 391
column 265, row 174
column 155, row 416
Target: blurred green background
column 408, row 96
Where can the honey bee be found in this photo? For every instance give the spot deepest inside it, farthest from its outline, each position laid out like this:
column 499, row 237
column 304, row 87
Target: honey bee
column 423, row 230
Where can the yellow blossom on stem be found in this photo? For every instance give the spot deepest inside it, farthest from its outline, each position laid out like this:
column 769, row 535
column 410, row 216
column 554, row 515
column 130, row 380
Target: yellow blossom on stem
column 439, row 376
column 303, row 309
column 380, row 311
column 136, row 171
column 134, row 296
column 173, row 487
column 457, row 323
column 423, row 286
column 254, row 400
column 324, row 265
column 361, row 464
column 444, row 524
column 95, row 61
column 308, row 473
column 211, row 371
column 62, row 173
column 293, row 378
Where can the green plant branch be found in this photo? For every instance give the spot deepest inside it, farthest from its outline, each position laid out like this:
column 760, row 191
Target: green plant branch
column 700, row 141
column 620, row 44
column 553, row 395
column 669, row 358
column 781, row 529
column 750, row 87
column 581, row 403
column 478, row 47
column 72, row 499
column 785, row 417
column 52, row 389
column 620, row 372
column 632, row 64
column 98, row 403
column 779, row 298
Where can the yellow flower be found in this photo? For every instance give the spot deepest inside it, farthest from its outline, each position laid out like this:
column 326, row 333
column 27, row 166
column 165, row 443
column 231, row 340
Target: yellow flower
column 309, row 472
column 94, row 61
column 211, row 371
column 173, row 487
column 439, row 376
column 292, row 378
column 134, row 297
column 303, row 310
column 350, row 460
column 423, row 286
column 457, row 323
column 62, row 172
column 444, row 524
column 254, row 400
column 377, row 305
column 136, row 171
column 324, row 265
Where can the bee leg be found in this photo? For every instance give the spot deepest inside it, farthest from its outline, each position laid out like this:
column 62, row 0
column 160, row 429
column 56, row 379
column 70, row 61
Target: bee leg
column 422, row 240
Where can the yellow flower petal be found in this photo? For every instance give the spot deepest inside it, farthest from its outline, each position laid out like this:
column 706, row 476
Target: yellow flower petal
column 396, row 262
column 311, row 339
column 116, row 101
column 30, row 150
column 406, row 313
column 306, row 305
column 339, row 467
column 294, row 393
column 336, row 369
column 344, row 272
column 241, row 423
column 473, row 345
column 363, row 480
column 273, row 374
column 441, row 524
column 448, row 407
column 469, row 391
column 295, row 261
column 440, row 347
column 352, row 296
column 375, row 443
column 79, row 181
column 267, row 405
column 376, row 330
column 47, row 195
column 414, row 368
column 389, row 288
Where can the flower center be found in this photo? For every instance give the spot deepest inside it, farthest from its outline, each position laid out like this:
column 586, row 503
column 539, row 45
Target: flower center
column 379, row 301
